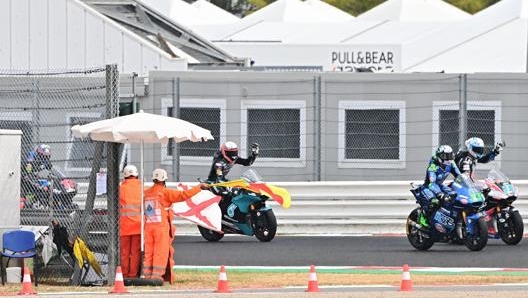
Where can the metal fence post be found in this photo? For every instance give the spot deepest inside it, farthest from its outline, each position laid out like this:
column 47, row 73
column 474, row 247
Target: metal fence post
column 175, row 113
column 462, row 110
column 112, row 110
column 317, row 128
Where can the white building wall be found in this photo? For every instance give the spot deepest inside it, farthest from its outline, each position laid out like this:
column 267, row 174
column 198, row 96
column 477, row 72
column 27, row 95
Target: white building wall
column 67, row 34
column 10, row 178
column 331, row 57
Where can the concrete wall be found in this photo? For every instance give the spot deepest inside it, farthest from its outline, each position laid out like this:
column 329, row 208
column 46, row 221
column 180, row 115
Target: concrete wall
column 419, row 96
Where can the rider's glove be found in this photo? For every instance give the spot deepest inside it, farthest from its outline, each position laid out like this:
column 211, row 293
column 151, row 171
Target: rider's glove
column 498, row 147
column 204, row 186
column 434, row 203
column 255, row 147
column 443, row 198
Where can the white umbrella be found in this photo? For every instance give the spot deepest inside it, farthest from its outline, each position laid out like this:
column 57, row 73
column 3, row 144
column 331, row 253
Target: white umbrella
column 142, row 128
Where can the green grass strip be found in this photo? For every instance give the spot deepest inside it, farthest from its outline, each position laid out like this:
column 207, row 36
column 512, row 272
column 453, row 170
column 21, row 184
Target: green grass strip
column 354, row 271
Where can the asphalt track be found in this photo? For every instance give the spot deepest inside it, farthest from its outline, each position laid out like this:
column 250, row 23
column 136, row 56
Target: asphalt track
column 353, row 252
column 338, row 250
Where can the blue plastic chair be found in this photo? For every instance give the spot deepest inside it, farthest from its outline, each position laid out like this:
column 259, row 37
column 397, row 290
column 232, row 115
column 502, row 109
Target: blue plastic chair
column 18, row 244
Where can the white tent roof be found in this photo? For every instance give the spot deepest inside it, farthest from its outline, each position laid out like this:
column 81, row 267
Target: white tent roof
column 365, row 32
column 214, row 14
column 290, row 11
column 275, row 21
column 493, row 40
column 275, row 31
column 414, row 10
column 330, row 10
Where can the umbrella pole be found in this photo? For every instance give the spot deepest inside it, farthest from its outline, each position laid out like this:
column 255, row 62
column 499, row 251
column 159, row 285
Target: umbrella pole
column 142, row 256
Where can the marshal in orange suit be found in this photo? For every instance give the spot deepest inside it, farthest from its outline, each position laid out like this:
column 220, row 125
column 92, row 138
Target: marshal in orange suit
column 158, row 225
column 130, row 222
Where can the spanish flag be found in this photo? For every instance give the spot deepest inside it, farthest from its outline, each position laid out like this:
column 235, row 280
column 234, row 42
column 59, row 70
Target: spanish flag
column 240, row 183
column 278, row 194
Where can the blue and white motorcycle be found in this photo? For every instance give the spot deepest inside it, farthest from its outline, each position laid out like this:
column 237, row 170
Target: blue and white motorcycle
column 462, row 220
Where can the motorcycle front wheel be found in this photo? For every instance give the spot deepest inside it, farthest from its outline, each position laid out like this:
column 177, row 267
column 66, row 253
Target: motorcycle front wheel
column 417, row 238
column 265, row 226
column 210, row 235
column 511, row 231
column 479, row 239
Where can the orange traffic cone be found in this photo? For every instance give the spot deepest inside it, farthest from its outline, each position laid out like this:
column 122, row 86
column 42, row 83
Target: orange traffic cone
column 119, row 283
column 406, row 283
column 312, row 281
column 223, row 287
column 27, row 288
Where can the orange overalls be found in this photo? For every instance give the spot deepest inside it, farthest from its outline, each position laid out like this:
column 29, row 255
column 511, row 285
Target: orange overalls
column 158, row 228
column 130, row 226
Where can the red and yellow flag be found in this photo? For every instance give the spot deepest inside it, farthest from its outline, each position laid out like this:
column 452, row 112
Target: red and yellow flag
column 278, row 194
column 240, row 183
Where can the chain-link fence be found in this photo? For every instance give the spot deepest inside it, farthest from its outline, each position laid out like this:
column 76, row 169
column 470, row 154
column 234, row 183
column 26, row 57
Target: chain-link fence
column 55, row 166
column 310, row 126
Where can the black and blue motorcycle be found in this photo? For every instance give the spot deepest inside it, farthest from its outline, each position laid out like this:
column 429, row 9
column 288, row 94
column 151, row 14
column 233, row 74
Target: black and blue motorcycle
column 244, row 207
column 462, row 220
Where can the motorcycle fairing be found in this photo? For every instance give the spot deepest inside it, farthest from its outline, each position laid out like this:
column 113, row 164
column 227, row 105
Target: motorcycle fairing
column 443, row 221
column 245, row 229
column 472, row 220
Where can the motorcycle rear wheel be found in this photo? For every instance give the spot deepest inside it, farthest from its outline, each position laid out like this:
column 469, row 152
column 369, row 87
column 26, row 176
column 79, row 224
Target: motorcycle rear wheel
column 479, row 239
column 511, row 231
column 266, row 226
column 417, row 238
column 210, row 235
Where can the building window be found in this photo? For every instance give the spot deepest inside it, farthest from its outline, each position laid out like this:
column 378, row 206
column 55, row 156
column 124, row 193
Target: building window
column 483, row 121
column 279, row 128
column 371, row 134
column 209, row 114
column 273, row 130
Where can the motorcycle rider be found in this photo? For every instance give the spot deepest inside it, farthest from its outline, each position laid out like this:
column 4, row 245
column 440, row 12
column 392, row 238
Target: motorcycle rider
column 466, row 160
column 37, row 159
column 440, row 166
column 223, row 162
column 226, row 158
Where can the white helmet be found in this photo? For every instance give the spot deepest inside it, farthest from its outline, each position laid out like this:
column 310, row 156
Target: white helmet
column 229, row 151
column 475, row 146
column 130, row 170
column 160, row 175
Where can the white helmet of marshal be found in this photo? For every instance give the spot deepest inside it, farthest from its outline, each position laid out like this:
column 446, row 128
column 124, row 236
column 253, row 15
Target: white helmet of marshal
column 160, row 175
column 130, row 170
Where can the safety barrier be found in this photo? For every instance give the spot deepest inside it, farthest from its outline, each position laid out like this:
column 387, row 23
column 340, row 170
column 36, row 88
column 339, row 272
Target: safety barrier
column 341, row 207
column 355, row 207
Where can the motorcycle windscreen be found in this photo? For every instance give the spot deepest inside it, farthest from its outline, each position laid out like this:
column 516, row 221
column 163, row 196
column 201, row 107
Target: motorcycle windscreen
column 278, row 194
